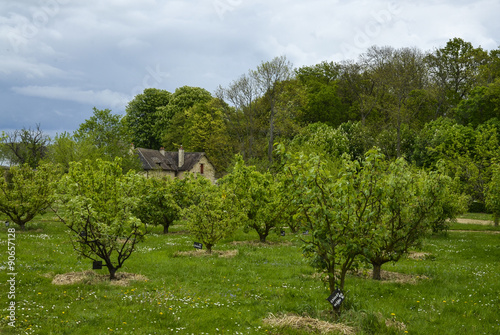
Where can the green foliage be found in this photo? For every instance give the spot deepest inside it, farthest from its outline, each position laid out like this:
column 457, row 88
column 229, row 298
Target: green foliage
column 214, row 214
column 25, row 146
column 481, row 105
column 455, row 69
column 172, row 117
column 142, row 119
column 321, row 139
column 467, row 153
column 26, row 192
column 98, row 207
column 408, row 204
column 103, row 136
column 493, row 194
column 261, row 198
column 162, row 201
column 322, row 101
column 205, row 131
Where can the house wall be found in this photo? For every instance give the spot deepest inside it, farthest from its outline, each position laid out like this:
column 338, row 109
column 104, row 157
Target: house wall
column 208, row 169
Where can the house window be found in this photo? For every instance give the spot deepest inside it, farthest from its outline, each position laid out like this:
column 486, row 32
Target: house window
column 201, row 168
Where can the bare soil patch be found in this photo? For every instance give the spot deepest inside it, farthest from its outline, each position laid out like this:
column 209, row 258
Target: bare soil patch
column 262, row 244
column 308, row 324
column 90, row 277
column 204, row 253
column 419, row 255
column 392, row 277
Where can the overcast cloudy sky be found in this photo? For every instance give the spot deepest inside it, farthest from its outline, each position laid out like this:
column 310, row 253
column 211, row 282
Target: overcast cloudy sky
column 60, row 58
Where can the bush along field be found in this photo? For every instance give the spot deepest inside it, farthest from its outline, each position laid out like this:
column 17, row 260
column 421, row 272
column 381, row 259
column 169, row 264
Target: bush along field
column 450, row 285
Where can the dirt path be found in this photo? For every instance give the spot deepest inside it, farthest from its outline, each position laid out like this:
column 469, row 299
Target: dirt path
column 481, row 222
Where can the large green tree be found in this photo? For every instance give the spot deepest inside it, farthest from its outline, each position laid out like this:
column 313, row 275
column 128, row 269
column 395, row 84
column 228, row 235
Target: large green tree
column 105, row 136
column 98, row 204
column 322, row 102
column 455, row 70
column 142, row 119
column 173, row 117
column 26, row 192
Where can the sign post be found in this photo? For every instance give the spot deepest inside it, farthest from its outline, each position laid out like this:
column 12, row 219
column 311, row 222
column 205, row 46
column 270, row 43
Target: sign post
column 198, row 245
column 97, row 265
column 336, row 298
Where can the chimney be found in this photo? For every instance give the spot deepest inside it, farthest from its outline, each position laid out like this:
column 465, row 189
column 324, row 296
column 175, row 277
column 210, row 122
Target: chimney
column 162, row 151
column 181, row 156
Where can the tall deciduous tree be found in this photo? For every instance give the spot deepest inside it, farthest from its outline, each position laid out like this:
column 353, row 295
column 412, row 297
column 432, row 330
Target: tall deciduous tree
column 25, row 146
column 242, row 117
column 322, row 101
column 99, row 203
column 455, row 70
column 142, row 119
column 173, row 117
column 401, row 73
column 205, row 130
column 105, row 136
column 270, row 77
column 26, row 192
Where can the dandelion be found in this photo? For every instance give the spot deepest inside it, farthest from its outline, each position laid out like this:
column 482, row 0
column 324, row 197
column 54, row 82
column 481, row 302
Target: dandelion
column 393, row 314
column 444, row 300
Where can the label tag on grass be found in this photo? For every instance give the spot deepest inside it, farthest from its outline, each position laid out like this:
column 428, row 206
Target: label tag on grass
column 336, row 298
column 198, row 245
column 282, row 233
column 97, row 265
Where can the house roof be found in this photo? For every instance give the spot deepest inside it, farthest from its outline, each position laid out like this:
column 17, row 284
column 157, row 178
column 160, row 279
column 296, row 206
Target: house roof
column 154, row 159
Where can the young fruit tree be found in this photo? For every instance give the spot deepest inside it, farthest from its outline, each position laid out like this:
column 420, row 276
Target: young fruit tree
column 26, row 192
column 98, row 203
column 162, row 202
column 260, row 196
column 338, row 208
column 214, row 214
column 413, row 203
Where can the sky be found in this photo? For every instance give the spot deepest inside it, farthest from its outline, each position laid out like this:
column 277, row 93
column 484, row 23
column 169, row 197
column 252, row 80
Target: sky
column 61, row 58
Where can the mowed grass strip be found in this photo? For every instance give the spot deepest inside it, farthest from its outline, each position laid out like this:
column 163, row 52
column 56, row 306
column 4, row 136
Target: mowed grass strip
column 453, row 288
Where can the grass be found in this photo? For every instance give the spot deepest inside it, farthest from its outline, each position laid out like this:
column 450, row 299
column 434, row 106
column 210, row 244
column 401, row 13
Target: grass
column 216, row 295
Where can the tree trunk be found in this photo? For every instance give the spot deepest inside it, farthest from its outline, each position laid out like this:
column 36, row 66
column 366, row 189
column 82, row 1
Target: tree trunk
column 271, row 137
column 496, row 218
column 209, row 248
column 165, row 228
column 377, row 269
column 112, row 272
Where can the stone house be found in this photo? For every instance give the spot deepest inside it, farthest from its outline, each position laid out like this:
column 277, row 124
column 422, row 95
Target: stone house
column 175, row 164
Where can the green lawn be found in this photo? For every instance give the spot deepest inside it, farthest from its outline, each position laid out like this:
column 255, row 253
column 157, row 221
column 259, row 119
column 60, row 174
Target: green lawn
column 456, row 292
